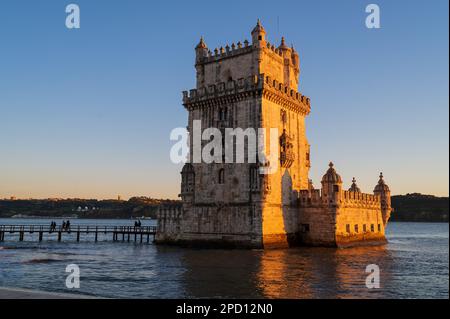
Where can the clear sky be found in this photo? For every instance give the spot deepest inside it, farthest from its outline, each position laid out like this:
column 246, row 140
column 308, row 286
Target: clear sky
column 88, row 112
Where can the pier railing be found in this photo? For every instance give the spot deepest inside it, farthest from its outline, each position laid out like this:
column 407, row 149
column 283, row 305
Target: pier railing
column 123, row 233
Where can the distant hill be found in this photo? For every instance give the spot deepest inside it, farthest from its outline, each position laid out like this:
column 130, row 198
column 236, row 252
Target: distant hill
column 82, row 208
column 410, row 207
column 420, row 208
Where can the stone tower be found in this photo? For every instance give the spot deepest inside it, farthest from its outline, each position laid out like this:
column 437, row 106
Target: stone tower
column 234, row 201
column 245, row 85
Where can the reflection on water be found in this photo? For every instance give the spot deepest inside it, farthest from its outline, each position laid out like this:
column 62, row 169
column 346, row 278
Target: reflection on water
column 282, row 275
column 287, row 273
column 413, row 265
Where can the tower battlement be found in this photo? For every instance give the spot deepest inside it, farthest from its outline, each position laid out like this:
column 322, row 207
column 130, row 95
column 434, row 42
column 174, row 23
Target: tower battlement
column 245, row 47
column 291, row 98
column 243, row 59
column 225, row 52
column 314, row 197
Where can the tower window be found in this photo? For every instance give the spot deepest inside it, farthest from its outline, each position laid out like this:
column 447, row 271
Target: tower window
column 253, row 177
column 372, row 228
column 347, row 228
column 223, row 114
column 221, row 176
column 283, row 116
column 356, row 228
column 364, row 228
column 379, row 227
column 259, row 37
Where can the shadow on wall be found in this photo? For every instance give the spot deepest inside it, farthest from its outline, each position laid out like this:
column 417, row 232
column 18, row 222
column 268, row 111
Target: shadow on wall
column 289, row 212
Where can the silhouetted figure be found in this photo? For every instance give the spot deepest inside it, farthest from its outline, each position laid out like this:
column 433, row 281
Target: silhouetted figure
column 63, row 225
column 68, row 225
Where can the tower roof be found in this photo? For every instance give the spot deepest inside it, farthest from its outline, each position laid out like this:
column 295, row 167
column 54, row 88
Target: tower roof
column 283, row 44
column 258, row 28
column 331, row 176
column 201, row 44
column 354, row 187
column 381, row 186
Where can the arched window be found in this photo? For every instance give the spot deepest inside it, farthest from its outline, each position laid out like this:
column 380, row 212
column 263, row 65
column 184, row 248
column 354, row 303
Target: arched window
column 221, row 176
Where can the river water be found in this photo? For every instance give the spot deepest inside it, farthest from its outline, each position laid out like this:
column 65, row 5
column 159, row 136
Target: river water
column 413, row 265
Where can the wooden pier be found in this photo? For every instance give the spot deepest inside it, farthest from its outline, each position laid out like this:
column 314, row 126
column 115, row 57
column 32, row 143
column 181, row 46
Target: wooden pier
column 116, row 233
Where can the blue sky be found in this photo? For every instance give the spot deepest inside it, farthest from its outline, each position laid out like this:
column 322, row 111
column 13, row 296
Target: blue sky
column 88, row 112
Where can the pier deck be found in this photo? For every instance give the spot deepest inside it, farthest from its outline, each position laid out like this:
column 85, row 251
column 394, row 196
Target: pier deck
column 78, row 232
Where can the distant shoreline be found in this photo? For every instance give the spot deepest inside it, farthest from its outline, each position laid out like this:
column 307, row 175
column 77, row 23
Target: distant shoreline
column 413, row 207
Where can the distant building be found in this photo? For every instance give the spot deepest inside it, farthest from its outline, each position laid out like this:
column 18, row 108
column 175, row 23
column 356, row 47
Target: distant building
column 254, row 85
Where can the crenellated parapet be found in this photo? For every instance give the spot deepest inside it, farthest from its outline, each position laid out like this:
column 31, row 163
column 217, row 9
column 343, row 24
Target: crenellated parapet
column 316, row 198
column 236, row 90
column 223, row 91
column 285, row 96
column 240, row 48
column 225, row 52
column 357, row 199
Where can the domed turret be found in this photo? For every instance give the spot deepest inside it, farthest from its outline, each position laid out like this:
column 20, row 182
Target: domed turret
column 381, row 186
column 201, row 44
column 354, row 187
column 331, row 184
column 283, row 45
column 331, row 176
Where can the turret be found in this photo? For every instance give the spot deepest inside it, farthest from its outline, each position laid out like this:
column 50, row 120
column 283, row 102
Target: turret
column 354, row 187
column 384, row 192
column 201, row 51
column 284, row 48
column 291, row 69
column 331, row 185
column 258, row 35
column 187, row 182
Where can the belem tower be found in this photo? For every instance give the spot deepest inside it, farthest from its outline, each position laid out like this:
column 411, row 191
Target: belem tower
column 255, row 85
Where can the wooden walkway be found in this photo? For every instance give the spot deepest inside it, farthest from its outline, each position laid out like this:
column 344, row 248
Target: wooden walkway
column 116, row 233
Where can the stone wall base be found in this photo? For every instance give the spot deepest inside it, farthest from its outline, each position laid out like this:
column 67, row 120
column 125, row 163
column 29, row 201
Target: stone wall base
column 210, row 243
column 360, row 240
column 274, row 241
